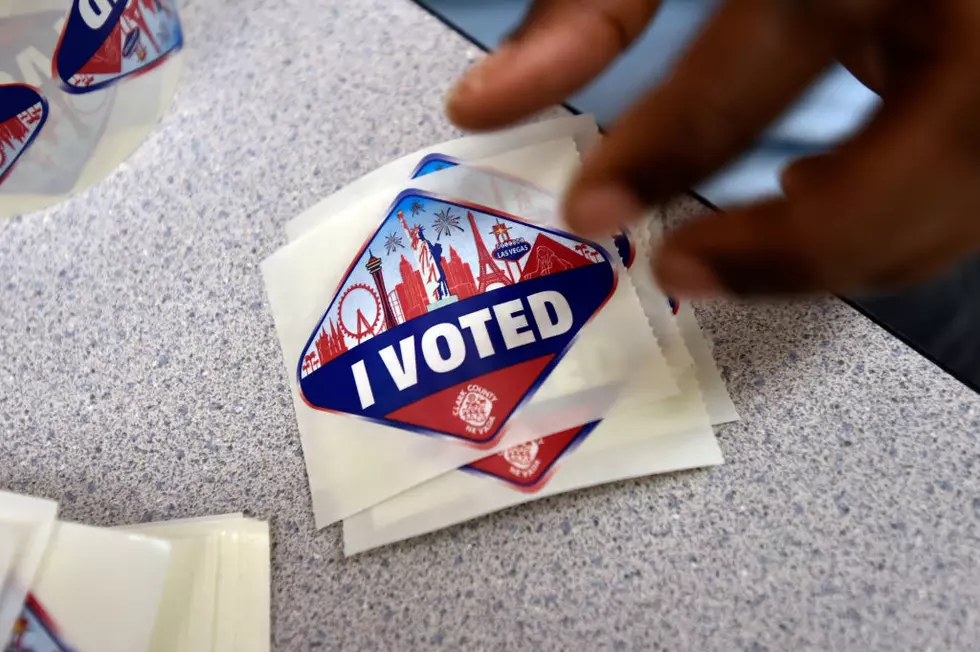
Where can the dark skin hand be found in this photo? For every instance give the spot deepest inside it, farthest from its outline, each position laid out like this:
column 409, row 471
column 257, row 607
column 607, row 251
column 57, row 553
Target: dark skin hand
column 894, row 205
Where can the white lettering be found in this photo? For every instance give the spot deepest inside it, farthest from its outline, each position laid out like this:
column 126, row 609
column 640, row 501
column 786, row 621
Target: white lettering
column 430, row 348
column 404, row 373
column 363, row 384
column 31, row 62
column 476, row 322
column 95, row 12
column 539, row 303
column 512, row 321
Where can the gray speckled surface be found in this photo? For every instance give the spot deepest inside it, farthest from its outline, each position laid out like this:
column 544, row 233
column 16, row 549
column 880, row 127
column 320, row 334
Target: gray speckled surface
column 140, row 379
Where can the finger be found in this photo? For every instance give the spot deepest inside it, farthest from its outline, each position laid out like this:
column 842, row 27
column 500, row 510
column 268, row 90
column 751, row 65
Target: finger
column 751, row 61
column 804, row 173
column 894, row 205
column 561, row 46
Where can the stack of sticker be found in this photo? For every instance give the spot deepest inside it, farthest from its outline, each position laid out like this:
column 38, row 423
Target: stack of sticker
column 453, row 349
column 191, row 585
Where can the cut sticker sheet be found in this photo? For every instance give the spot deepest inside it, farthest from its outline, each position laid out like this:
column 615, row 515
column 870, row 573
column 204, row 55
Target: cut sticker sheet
column 105, row 41
column 23, row 113
column 354, row 463
column 86, row 135
column 671, row 435
column 30, row 522
column 217, row 595
column 582, row 129
column 101, row 588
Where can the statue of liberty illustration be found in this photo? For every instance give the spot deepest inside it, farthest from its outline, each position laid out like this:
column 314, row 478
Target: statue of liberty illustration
column 435, row 250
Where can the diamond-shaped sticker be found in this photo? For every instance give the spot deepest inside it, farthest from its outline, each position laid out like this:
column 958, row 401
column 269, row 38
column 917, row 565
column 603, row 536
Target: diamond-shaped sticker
column 105, row 41
column 430, row 331
column 23, row 113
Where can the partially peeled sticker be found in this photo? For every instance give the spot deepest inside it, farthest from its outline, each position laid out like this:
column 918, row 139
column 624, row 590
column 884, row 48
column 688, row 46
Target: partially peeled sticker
column 105, row 41
column 23, row 113
column 431, row 332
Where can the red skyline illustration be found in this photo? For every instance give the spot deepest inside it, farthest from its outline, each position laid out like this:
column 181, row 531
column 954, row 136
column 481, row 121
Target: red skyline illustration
column 16, row 130
column 408, row 299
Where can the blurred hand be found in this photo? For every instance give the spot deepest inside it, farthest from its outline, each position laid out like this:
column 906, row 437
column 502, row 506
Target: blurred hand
column 894, row 205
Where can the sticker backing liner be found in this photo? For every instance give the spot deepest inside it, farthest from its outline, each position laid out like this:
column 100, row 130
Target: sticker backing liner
column 218, row 588
column 670, row 435
column 581, row 128
column 352, row 463
column 33, row 521
column 122, row 578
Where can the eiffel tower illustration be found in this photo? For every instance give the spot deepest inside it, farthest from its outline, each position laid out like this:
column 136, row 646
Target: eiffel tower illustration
column 488, row 271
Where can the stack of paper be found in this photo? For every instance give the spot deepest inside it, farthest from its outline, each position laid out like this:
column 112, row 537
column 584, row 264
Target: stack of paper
column 453, row 349
column 194, row 585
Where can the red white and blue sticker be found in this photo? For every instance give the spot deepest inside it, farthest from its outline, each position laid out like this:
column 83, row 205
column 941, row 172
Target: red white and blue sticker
column 529, row 466
column 23, row 113
column 436, row 162
column 34, row 631
column 430, row 333
column 105, row 41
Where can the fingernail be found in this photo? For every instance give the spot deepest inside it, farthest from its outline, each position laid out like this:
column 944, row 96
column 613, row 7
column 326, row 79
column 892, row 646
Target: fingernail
column 600, row 210
column 684, row 277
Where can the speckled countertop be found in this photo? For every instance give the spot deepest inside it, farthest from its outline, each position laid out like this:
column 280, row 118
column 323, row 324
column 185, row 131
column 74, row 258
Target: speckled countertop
column 140, row 379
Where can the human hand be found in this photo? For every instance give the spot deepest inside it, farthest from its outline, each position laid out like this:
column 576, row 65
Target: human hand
column 895, row 204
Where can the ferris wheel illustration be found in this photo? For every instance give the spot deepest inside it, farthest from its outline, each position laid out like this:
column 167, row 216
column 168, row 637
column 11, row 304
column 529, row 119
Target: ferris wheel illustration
column 363, row 327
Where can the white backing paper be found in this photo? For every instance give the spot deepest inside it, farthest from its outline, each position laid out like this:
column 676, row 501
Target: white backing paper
column 227, row 605
column 581, row 128
column 33, row 521
column 671, row 435
column 102, row 587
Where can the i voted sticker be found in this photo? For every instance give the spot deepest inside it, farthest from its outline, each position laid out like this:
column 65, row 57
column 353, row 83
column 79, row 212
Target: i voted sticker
column 436, row 162
column 527, row 467
column 23, row 113
column 429, row 331
column 105, row 41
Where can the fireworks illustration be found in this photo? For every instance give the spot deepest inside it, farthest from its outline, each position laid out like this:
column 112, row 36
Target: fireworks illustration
column 417, row 207
column 393, row 242
column 445, row 222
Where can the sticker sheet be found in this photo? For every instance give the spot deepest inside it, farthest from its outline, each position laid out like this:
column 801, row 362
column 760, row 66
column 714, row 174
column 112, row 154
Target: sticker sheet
column 106, row 73
column 582, row 129
column 100, row 589
column 226, row 603
column 671, row 435
column 30, row 523
column 341, row 453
